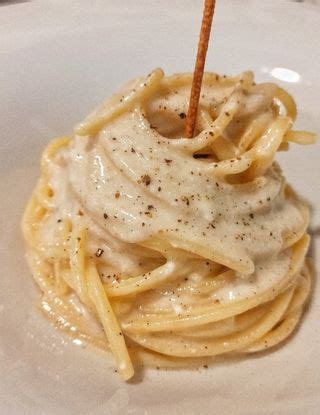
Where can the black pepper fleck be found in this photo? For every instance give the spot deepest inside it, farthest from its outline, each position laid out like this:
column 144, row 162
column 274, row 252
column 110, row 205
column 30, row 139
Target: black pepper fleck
column 146, row 179
column 99, row 252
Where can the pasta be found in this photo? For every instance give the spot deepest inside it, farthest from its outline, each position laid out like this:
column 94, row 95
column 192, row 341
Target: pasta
column 179, row 249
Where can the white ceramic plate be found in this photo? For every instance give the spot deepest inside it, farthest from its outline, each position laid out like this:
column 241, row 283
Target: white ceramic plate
column 58, row 60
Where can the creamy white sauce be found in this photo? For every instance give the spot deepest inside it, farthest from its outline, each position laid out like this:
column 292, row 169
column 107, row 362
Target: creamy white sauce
column 133, row 184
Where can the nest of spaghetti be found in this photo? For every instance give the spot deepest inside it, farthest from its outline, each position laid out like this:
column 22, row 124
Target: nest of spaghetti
column 167, row 250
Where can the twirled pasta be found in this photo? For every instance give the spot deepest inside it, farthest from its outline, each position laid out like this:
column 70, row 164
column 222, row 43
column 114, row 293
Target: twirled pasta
column 179, row 248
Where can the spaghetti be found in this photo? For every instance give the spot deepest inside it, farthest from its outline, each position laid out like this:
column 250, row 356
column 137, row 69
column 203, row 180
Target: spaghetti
column 180, row 249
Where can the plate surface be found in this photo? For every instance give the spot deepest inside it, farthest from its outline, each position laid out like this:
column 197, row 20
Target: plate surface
column 58, row 60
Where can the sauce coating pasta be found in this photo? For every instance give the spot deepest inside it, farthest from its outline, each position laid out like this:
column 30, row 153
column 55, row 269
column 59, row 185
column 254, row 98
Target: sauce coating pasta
column 181, row 249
